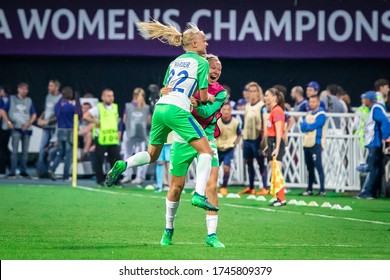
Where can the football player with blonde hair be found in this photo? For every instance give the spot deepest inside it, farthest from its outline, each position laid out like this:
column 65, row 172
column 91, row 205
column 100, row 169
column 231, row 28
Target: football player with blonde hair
column 185, row 75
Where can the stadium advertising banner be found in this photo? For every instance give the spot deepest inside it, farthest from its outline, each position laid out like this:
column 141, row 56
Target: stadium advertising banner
column 263, row 29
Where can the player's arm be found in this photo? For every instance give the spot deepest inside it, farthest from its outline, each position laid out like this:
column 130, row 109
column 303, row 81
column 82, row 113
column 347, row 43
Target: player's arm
column 320, row 122
column 204, row 96
column 207, row 110
column 203, row 80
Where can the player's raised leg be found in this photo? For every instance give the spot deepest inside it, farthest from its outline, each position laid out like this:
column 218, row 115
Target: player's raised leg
column 138, row 159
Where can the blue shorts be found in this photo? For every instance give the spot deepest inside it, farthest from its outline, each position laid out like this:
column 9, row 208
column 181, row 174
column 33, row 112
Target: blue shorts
column 165, row 153
column 226, row 156
column 251, row 148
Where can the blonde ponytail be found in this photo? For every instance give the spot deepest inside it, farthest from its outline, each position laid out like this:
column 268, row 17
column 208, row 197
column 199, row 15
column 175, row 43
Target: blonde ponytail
column 165, row 33
column 168, row 34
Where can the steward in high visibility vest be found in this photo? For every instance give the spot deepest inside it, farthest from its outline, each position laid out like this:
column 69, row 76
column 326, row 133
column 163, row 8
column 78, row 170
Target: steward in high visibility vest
column 108, row 130
column 105, row 119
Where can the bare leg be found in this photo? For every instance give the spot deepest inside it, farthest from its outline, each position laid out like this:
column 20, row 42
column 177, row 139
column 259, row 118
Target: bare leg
column 211, row 189
column 202, row 146
column 175, row 188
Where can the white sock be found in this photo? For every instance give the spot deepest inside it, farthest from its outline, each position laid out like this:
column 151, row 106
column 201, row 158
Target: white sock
column 203, row 170
column 212, row 223
column 171, row 208
column 138, row 159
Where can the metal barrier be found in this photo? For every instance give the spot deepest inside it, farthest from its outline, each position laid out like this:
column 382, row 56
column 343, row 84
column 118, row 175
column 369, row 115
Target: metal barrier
column 342, row 153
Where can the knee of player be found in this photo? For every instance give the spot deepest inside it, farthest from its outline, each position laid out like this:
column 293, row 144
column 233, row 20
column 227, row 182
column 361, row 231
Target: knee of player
column 176, row 190
column 153, row 157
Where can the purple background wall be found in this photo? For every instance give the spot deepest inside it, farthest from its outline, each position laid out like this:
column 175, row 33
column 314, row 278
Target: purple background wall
column 308, row 29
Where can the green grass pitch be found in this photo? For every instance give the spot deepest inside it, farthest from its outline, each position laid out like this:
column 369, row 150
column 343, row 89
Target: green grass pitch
column 58, row 222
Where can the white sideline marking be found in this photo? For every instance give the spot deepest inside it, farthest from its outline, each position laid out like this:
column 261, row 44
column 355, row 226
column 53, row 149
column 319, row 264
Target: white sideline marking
column 250, row 207
column 308, row 214
column 97, row 190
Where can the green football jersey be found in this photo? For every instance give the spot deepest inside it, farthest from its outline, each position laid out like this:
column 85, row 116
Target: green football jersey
column 186, row 74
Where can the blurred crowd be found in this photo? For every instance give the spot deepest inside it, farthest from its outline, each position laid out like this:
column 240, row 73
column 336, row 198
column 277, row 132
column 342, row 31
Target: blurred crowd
column 104, row 133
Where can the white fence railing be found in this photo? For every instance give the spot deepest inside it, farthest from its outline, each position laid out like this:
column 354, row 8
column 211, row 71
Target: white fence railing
column 341, row 155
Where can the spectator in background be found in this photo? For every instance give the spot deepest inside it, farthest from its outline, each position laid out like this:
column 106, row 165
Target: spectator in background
column 47, row 121
column 298, row 96
column 86, row 130
column 344, row 97
column 387, row 104
column 20, row 115
column 4, row 134
column 136, row 118
column 381, row 86
column 312, row 89
column 281, row 88
column 241, row 103
column 52, row 149
column 333, row 104
column 106, row 119
column 251, row 136
column 359, row 123
column 226, row 142
column 313, row 126
column 88, row 95
column 64, row 111
column 153, row 95
column 331, row 99
column 377, row 129
column 342, row 101
column 334, row 89
column 162, row 164
column 4, row 94
column 229, row 94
